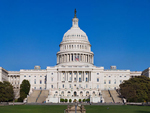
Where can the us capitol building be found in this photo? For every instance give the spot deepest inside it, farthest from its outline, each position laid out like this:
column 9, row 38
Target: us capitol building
column 75, row 76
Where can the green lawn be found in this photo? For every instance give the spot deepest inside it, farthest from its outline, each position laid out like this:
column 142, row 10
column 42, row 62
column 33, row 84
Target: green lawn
column 60, row 109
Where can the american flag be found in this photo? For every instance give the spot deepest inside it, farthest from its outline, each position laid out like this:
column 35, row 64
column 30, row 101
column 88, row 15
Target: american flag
column 76, row 58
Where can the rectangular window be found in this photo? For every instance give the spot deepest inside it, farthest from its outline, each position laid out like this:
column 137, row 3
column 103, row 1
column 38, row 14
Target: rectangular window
column 86, row 79
column 40, row 81
column 86, row 85
column 109, row 81
column 63, row 86
column 79, row 79
column 97, row 79
column 104, row 81
column 52, row 79
column 79, row 85
column 97, row 86
column 24, row 75
column 120, row 81
column 51, row 86
column 34, row 81
column 69, row 85
column 115, row 81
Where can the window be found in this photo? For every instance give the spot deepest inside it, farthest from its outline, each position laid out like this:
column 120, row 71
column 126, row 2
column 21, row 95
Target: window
column 69, row 85
column 124, row 76
column 109, row 81
column 29, row 76
column 40, row 87
column 24, row 75
column 86, row 85
column 120, row 81
column 97, row 79
column 79, row 85
column 115, row 81
column 79, row 73
column 104, row 81
column 97, row 73
column 51, row 86
column 70, row 79
column 41, row 76
column 63, row 86
column 63, row 79
column 34, row 81
column 40, row 81
column 34, row 76
column 86, row 79
column 97, row 86
column 74, row 79
column 51, row 73
column 51, row 79
column 34, row 87
column 79, row 79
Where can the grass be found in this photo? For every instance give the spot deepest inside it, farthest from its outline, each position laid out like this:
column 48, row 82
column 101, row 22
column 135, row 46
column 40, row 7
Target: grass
column 117, row 109
column 60, row 109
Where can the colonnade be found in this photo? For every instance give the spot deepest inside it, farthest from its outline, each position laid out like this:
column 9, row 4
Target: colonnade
column 74, row 76
column 74, row 57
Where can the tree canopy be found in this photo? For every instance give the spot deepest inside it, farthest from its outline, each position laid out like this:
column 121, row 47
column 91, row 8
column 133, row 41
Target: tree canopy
column 136, row 89
column 24, row 90
column 6, row 92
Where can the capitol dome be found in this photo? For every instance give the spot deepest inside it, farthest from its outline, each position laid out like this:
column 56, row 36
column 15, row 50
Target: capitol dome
column 75, row 48
column 75, row 33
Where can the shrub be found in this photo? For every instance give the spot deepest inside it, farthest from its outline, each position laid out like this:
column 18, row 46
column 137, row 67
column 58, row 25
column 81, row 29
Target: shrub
column 70, row 100
column 62, row 100
column 66, row 100
column 88, row 100
column 79, row 100
column 83, row 100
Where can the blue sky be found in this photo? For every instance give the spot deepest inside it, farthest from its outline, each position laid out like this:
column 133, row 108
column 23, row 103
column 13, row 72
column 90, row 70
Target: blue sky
column 31, row 31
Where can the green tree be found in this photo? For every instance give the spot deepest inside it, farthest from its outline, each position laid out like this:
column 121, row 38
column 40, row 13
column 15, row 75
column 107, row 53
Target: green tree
column 6, row 92
column 24, row 90
column 136, row 89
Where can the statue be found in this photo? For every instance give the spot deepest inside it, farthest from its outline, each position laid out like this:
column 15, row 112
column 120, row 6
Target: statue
column 75, row 13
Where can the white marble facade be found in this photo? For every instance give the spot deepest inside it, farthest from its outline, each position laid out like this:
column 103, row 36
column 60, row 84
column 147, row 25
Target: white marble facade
column 74, row 76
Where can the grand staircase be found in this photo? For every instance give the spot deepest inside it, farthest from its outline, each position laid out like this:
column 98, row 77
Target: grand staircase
column 111, row 96
column 115, row 96
column 37, row 96
column 107, row 97
column 43, row 96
